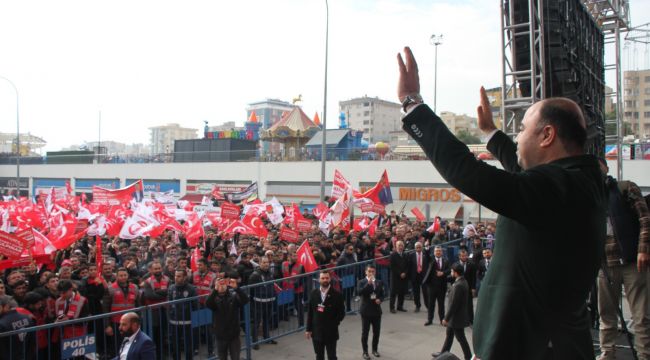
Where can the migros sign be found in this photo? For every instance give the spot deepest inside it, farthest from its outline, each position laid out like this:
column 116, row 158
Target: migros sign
column 429, row 194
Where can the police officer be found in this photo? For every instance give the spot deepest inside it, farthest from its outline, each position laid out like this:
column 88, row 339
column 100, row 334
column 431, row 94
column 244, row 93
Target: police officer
column 180, row 315
column 20, row 346
column 263, row 299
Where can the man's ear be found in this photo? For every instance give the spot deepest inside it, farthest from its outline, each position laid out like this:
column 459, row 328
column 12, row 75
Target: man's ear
column 548, row 136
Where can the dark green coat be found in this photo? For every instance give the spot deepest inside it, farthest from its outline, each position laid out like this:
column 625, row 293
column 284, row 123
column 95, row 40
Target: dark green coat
column 548, row 247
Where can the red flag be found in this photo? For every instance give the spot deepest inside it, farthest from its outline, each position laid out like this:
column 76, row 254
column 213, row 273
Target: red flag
column 193, row 229
column 306, row 257
column 303, row 224
column 236, row 226
column 216, row 193
column 372, row 229
column 435, row 227
column 361, row 224
column 194, row 259
column 380, row 193
column 99, row 257
column 230, row 211
column 255, row 224
column 68, row 187
column 320, row 211
column 418, row 214
column 289, row 235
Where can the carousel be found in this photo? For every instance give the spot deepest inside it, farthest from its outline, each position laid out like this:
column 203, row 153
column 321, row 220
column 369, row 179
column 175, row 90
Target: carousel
column 293, row 131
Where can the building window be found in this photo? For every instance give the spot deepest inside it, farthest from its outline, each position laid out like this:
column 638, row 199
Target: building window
column 646, row 114
column 646, row 102
column 366, row 104
column 647, row 91
column 366, row 113
column 366, row 122
column 647, row 79
column 636, row 114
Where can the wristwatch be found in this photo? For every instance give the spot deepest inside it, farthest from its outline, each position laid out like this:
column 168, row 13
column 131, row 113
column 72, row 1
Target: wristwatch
column 411, row 99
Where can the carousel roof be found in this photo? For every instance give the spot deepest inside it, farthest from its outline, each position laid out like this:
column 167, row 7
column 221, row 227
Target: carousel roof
column 293, row 124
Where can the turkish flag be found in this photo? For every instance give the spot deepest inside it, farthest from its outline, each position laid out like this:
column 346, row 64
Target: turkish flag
column 237, row 226
column 62, row 233
column 418, row 214
column 306, row 257
column 255, row 224
column 193, row 229
column 435, row 227
column 230, row 211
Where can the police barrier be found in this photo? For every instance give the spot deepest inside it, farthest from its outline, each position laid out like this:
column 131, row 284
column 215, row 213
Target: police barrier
column 182, row 329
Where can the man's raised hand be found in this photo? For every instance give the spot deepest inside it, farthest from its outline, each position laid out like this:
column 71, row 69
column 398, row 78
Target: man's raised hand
column 409, row 80
column 485, row 122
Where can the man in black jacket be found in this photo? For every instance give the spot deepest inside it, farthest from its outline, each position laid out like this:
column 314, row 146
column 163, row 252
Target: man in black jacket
column 263, row 300
column 225, row 301
column 469, row 271
column 371, row 291
column 325, row 312
column 435, row 280
column 456, row 318
column 398, row 280
column 546, row 178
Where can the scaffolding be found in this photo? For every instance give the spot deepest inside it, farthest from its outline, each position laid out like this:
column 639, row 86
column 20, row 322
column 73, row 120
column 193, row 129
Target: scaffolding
column 523, row 87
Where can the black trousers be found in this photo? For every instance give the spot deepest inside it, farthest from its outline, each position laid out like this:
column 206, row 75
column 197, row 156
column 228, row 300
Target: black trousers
column 396, row 294
column 471, row 307
column 436, row 294
column 320, row 347
column 366, row 322
column 262, row 313
column 419, row 288
column 459, row 333
column 232, row 347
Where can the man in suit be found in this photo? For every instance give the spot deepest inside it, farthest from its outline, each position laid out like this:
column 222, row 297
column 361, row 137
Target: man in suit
column 325, row 312
column 469, row 273
column 398, row 281
column 418, row 265
column 483, row 267
column 435, row 280
column 371, row 291
column 546, row 178
column 456, row 318
column 136, row 344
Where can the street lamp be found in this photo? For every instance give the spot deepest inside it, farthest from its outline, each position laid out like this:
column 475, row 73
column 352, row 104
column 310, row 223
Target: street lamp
column 323, row 146
column 17, row 138
column 435, row 40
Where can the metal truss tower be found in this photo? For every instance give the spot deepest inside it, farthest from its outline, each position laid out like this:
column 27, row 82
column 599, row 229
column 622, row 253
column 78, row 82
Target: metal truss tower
column 524, row 65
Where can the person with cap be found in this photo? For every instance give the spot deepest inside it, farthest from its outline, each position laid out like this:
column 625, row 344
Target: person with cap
column 457, row 316
column 19, row 346
column 226, row 300
column 136, row 344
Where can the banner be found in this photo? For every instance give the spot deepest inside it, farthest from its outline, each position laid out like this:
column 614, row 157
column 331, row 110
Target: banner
column 229, row 211
column 339, row 186
column 303, row 224
column 118, row 196
column 11, row 245
column 372, row 207
column 247, row 195
column 289, row 235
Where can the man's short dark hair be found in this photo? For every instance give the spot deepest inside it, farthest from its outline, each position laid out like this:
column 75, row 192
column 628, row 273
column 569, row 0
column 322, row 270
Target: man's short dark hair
column 371, row 266
column 64, row 285
column 566, row 120
column 180, row 269
column 458, row 268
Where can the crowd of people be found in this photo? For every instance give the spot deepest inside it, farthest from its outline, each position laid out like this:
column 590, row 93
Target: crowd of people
column 150, row 271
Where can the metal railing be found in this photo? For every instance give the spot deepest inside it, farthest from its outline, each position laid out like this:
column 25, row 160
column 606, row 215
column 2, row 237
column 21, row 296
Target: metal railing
column 183, row 328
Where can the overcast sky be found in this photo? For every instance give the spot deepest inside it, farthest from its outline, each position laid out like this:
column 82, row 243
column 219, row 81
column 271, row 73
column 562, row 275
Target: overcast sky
column 146, row 63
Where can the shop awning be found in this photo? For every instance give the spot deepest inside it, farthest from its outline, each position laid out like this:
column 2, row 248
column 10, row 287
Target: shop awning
column 448, row 210
column 486, row 214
